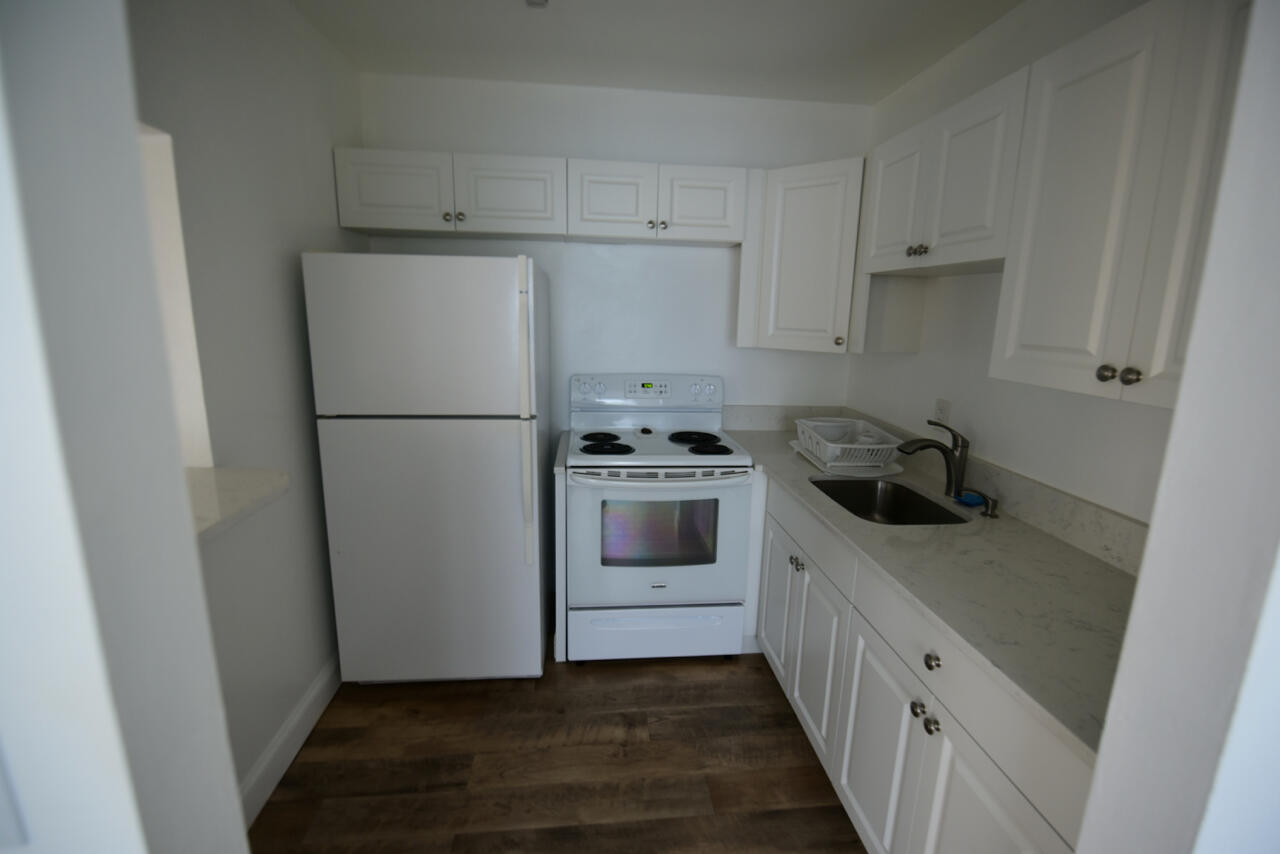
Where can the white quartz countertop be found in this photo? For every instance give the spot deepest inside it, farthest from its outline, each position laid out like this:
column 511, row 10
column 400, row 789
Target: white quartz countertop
column 222, row 496
column 1044, row 615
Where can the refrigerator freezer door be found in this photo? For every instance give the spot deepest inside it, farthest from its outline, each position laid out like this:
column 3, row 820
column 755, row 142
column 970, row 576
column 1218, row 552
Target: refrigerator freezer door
column 427, row 543
column 418, row 335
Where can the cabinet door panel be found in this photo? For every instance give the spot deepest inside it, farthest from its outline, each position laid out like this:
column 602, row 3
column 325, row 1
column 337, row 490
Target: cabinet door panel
column 820, row 639
column 967, row 806
column 403, row 190
column 702, row 203
column 775, row 597
column 972, row 188
column 1096, row 117
column 896, row 177
column 612, row 198
column 881, row 743
column 497, row 193
column 810, row 240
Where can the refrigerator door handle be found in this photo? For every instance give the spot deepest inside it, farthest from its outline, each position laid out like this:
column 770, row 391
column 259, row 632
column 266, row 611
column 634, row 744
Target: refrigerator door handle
column 525, row 342
column 527, row 452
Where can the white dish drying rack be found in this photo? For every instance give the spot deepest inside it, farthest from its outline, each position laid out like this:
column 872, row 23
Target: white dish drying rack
column 847, row 442
column 845, row 470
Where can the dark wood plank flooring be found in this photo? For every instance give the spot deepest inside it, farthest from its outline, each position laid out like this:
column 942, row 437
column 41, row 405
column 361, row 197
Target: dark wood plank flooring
column 684, row 755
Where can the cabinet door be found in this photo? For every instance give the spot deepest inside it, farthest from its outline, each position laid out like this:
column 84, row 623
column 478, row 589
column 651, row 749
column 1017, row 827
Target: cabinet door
column 881, row 743
column 404, row 190
column 702, row 203
column 965, row 805
column 778, row 580
column 970, row 189
column 1204, row 92
column 896, row 177
column 1097, row 114
column 810, row 237
column 820, row 641
column 497, row 193
column 610, row 198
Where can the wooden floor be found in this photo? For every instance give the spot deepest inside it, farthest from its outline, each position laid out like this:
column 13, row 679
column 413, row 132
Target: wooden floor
column 637, row 756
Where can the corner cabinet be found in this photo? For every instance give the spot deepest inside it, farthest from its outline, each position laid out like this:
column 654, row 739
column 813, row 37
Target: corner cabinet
column 911, row 775
column 428, row 191
column 796, row 278
column 609, row 198
column 1113, row 197
column 940, row 193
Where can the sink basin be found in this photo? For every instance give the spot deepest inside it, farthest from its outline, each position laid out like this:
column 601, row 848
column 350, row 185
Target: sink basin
column 886, row 502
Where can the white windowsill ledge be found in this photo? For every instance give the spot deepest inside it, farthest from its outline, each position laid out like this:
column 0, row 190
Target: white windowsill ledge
column 221, row 497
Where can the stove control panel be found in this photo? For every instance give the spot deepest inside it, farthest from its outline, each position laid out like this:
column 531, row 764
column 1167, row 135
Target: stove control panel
column 656, row 391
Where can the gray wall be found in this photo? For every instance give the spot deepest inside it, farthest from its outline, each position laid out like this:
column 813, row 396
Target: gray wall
column 74, row 138
column 255, row 100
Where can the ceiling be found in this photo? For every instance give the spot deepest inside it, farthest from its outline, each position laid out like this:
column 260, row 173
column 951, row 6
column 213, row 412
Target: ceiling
column 842, row 51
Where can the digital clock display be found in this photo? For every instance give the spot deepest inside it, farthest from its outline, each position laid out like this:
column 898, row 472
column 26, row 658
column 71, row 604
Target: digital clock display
column 646, row 385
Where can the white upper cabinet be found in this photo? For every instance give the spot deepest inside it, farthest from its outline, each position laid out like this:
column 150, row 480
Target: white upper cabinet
column 609, row 198
column 437, row 191
column 940, row 193
column 500, row 193
column 394, row 190
column 808, row 239
column 1113, row 185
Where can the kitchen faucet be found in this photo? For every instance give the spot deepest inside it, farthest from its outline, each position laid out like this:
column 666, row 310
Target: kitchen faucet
column 956, row 459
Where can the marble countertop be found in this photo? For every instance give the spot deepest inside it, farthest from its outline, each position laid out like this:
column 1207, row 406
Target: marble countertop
column 222, row 496
column 1039, row 613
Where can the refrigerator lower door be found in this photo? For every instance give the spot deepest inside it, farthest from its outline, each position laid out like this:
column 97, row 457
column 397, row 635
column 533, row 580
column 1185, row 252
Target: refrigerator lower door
column 429, row 521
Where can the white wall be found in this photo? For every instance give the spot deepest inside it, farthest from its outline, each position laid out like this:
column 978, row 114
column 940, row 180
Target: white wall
column 1202, row 605
column 650, row 308
column 254, row 100
column 495, row 117
column 628, row 307
column 1024, row 34
column 71, row 115
column 1103, row 450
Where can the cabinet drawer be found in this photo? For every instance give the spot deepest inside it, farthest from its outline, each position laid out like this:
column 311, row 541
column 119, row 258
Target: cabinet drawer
column 1053, row 770
column 837, row 560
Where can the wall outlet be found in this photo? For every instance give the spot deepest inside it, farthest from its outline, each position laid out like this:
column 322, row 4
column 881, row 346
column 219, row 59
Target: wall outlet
column 942, row 410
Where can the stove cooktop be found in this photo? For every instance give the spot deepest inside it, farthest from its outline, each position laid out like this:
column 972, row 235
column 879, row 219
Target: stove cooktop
column 635, row 447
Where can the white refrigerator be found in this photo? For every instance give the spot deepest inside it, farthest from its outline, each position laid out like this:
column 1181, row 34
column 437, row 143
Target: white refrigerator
column 430, row 409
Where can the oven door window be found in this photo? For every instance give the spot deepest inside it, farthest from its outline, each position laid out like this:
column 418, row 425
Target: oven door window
column 658, row 533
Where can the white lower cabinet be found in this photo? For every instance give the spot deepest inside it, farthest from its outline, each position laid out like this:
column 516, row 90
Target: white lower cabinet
column 910, row 775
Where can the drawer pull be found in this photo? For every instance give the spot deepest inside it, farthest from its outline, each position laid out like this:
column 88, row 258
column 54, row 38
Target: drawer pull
column 931, row 725
column 932, row 661
column 917, row 708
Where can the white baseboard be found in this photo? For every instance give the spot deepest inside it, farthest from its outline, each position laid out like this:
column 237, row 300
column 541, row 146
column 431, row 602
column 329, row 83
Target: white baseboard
column 264, row 775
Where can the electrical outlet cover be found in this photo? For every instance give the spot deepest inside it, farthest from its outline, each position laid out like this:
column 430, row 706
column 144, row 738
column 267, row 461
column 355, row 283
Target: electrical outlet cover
column 942, row 410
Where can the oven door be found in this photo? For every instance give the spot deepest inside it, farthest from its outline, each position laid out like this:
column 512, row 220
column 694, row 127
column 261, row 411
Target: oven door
column 656, row 542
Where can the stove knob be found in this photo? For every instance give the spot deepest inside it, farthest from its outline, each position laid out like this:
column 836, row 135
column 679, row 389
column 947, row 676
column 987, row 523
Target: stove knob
column 600, row 388
column 585, row 388
column 695, row 389
column 709, row 388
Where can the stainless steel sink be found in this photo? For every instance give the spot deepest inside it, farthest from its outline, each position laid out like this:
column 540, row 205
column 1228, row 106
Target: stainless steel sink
column 886, row 502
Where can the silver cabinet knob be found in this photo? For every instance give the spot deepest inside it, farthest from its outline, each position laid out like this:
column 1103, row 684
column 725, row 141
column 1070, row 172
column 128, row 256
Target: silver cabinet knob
column 1106, row 373
column 839, row 341
column 1130, row 376
column 932, row 661
column 792, row 559
column 922, row 249
column 448, row 216
column 462, row 217
column 917, row 708
column 911, row 250
column 932, row 726
column 650, row 224
column 799, row 566
column 662, row 225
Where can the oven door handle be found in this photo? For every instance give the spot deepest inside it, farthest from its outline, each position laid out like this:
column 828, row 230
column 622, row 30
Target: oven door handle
column 659, row 483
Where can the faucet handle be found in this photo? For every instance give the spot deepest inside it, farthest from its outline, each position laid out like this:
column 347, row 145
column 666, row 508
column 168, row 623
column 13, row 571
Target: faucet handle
column 958, row 440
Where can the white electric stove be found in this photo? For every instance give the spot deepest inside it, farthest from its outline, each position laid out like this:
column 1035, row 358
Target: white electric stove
column 658, row 504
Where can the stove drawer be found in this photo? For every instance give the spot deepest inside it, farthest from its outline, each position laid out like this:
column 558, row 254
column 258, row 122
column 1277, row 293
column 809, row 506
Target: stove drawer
column 654, row 632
